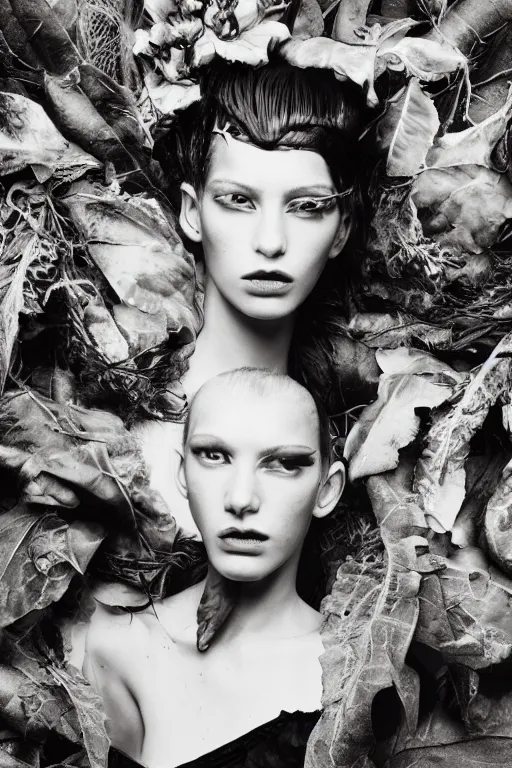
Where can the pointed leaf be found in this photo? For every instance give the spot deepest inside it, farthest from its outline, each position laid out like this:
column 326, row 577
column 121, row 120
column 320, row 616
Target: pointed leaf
column 350, row 19
column 407, row 130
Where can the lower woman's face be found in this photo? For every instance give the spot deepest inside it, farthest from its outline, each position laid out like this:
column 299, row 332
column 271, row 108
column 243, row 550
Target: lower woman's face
column 265, row 229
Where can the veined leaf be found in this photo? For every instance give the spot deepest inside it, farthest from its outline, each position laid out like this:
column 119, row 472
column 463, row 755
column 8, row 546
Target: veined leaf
column 498, row 523
column 370, row 620
column 407, row 130
column 440, row 472
column 90, row 712
column 465, row 612
column 473, row 146
column 40, row 554
column 22, row 248
column 136, row 246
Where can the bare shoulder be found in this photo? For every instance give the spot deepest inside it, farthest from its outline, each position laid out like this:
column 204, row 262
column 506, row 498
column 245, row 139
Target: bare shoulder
column 178, row 614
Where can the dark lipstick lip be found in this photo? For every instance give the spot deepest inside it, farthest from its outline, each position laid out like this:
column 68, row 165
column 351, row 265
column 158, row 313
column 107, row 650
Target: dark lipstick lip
column 273, row 275
column 242, row 534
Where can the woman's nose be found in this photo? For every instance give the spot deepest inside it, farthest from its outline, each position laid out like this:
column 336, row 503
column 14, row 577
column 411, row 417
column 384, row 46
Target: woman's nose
column 270, row 233
column 241, row 496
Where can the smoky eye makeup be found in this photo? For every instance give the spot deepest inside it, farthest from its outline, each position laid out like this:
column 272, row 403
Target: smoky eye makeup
column 311, row 204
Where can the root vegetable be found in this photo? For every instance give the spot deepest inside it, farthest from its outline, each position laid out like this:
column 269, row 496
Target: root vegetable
column 469, row 21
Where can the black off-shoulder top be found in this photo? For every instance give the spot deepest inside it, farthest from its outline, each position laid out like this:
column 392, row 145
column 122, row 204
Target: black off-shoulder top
column 280, row 743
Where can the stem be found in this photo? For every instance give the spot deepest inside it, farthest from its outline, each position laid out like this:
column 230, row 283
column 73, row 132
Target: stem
column 467, row 22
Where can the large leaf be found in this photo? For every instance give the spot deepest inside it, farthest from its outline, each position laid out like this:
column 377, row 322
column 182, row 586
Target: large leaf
column 39, row 557
column 378, row 329
column 348, row 62
column 498, row 524
column 465, row 612
column 473, row 146
column 90, row 712
column 28, row 137
column 391, row 422
column 407, row 130
column 370, row 619
column 135, row 244
column 442, row 740
column 463, row 208
column 440, row 472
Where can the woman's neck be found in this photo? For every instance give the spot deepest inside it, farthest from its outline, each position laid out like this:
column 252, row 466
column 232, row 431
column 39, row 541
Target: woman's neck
column 270, row 609
column 229, row 340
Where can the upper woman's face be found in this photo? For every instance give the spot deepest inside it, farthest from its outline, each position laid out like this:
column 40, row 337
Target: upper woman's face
column 253, row 473
column 265, row 232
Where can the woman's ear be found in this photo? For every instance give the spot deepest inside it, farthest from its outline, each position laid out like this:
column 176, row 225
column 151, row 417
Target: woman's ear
column 181, row 481
column 190, row 220
column 331, row 490
column 342, row 234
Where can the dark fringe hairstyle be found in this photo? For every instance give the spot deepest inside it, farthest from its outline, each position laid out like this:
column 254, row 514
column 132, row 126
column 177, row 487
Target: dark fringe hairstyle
column 279, row 105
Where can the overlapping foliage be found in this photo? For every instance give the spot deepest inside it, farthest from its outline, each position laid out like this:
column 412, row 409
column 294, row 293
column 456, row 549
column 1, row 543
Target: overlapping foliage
column 94, row 279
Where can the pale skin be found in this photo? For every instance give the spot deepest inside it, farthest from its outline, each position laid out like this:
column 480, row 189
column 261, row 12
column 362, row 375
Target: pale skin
column 252, row 214
column 258, row 469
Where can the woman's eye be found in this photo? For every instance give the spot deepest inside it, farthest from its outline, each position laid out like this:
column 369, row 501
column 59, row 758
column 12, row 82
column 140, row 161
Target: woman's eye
column 284, row 465
column 235, row 201
column 309, row 206
column 210, row 456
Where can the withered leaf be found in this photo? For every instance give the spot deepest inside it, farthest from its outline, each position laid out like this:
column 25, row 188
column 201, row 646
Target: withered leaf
column 440, row 472
column 251, row 47
column 40, row 554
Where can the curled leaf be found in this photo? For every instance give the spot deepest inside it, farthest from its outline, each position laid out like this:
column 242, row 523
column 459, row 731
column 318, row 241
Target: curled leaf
column 440, row 472
column 427, row 60
column 348, row 62
column 473, row 146
column 251, row 47
column 407, row 130
column 391, row 422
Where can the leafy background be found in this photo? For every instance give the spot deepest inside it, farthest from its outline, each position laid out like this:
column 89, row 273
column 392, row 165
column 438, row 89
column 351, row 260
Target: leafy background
column 100, row 305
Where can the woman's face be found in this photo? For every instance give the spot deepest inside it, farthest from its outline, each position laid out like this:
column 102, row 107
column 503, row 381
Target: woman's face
column 265, row 231
column 253, row 472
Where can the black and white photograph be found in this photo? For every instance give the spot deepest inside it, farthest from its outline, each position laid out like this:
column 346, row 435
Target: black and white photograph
column 256, row 383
